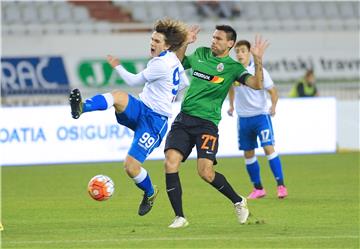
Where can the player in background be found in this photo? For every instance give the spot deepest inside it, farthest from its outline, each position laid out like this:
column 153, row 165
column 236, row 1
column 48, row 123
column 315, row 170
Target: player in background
column 213, row 73
column 254, row 121
column 148, row 115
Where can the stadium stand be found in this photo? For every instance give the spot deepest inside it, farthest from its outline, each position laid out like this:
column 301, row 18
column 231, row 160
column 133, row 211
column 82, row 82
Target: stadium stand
column 114, row 16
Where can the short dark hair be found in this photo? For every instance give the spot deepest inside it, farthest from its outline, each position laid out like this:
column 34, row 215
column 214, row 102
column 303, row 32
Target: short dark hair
column 175, row 32
column 243, row 43
column 230, row 32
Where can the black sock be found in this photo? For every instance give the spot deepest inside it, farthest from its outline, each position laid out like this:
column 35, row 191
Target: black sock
column 221, row 184
column 258, row 186
column 174, row 192
column 280, row 182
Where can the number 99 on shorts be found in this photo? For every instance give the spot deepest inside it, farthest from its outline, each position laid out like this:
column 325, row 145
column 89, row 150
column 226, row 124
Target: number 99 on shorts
column 146, row 140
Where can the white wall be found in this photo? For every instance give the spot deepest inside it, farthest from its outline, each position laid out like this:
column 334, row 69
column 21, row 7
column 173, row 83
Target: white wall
column 42, row 135
column 348, row 124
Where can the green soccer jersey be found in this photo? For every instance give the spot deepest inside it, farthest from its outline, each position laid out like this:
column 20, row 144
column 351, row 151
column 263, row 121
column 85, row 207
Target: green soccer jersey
column 211, row 80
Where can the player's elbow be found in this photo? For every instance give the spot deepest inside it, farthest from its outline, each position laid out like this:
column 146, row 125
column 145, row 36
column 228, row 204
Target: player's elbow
column 255, row 83
column 258, row 85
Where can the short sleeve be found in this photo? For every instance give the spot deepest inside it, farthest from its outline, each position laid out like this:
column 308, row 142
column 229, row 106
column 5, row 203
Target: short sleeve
column 186, row 62
column 268, row 82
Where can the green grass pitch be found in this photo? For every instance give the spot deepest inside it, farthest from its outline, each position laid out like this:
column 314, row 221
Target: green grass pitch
column 48, row 207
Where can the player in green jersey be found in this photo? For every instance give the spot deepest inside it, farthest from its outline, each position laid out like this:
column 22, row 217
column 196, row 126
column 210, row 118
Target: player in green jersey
column 213, row 72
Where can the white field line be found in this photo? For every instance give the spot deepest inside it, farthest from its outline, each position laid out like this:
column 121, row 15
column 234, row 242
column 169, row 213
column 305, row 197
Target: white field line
column 179, row 239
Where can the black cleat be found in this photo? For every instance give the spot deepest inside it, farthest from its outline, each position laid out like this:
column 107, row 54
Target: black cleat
column 147, row 202
column 75, row 103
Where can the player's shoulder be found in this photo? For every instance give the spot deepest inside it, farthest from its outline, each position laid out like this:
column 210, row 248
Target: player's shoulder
column 202, row 51
column 164, row 57
column 233, row 61
column 235, row 64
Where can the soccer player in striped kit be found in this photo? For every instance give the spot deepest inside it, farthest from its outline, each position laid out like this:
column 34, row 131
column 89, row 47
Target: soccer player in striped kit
column 254, row 120
column 147, row 116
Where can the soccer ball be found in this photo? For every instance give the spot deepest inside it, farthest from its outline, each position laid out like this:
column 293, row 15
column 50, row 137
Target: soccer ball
column 101, row 187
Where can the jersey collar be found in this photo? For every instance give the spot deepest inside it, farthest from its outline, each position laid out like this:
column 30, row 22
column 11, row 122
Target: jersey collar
column 163, row 53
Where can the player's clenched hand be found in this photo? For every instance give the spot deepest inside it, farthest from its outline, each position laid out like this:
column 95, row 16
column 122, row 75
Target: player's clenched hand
column 259, row 47
column 113, row 61
column 230, row 111
column 272, row 111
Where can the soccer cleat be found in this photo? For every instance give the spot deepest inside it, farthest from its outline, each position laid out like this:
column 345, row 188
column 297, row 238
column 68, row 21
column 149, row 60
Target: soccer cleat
column 242, row 210
column 257, row 193
column 75, row 103
column 147, row 202
column 179, row 222
column 282, row 191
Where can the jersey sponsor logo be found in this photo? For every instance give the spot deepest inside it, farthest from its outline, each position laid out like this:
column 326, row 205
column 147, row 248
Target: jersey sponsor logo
column 207, row 77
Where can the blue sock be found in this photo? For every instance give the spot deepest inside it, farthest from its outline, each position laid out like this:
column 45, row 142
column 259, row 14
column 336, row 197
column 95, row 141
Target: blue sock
column 98, row 102
column 275, row 165
column 253, row 170
column 143, row 182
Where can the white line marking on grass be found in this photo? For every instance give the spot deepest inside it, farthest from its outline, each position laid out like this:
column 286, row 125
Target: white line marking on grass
column 177, row 238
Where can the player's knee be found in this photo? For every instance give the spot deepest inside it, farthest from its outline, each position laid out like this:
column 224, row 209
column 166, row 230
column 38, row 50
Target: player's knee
column 207, row 175
column 121, row 99
column 206, row 170
column 132, row 167
column 172, row 161
column 129, row 170
column 171, row 165
column 269, row 149
column 249, row 154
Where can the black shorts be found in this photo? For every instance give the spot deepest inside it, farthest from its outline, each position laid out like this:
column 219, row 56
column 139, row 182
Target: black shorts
column 187, row 131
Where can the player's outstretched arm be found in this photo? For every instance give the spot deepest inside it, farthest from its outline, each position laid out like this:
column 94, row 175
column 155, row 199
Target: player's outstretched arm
column 257, row 51
column 129, row 78
column 191, row 37
column 113, row 61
